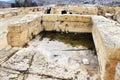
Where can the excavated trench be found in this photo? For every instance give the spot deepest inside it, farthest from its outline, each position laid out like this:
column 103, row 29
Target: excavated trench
column 58, row 55
column 55, row 56
column 75, row 50
column 74, row 39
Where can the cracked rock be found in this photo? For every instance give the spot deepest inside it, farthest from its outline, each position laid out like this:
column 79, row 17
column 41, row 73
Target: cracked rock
column 41, row 66
column 6, row 74
column 21, row 60
column 38, row 77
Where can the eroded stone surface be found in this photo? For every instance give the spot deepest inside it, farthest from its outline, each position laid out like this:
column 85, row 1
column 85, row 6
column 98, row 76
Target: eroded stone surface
column 84, row 9
column 21, row 31
column 7, row 53
column 112, row 44
column 60, row 61
column 21, row 60
column 37, row 77
column 4, row 22
column 52, row 60
column 107, row 33
column 6, row 74
column 74, row 18
column 24, row 29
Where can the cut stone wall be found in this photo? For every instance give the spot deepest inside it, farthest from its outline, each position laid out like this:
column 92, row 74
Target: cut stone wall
column 107, row 11
column 75, row 23
column 82, row 9
column 4, row 22
column 21, row 31
column 106, row 35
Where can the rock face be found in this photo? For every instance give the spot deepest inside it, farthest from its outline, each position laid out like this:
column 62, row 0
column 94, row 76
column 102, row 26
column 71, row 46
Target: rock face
column 20, row 32
column 3, row 31
column 90, row 9
column 8, row 16
column 108, row 48
column 6, row 53
column 10, row 12
column 24, row 29
column 6, row 74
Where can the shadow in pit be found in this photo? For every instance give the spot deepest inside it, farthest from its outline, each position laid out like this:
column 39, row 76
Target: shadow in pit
column 74, row 39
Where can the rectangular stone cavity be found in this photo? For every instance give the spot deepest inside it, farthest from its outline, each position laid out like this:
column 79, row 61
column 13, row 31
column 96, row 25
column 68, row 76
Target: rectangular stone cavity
column 21, row 31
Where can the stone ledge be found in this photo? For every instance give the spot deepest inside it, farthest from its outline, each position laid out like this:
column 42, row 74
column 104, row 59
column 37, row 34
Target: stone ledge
column 84, row 9
column 74, row 18
column 110, row 33
column 106, row 35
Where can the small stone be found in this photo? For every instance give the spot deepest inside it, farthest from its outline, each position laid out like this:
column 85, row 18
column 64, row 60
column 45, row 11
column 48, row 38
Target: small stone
column 85, row 61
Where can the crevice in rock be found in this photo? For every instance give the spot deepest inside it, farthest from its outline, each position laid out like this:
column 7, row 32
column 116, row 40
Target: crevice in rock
column 50, row 76
column 13, row 69
column 7, row 58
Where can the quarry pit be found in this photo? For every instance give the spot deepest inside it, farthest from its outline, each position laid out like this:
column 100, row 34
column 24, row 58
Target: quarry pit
column 73, row 42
